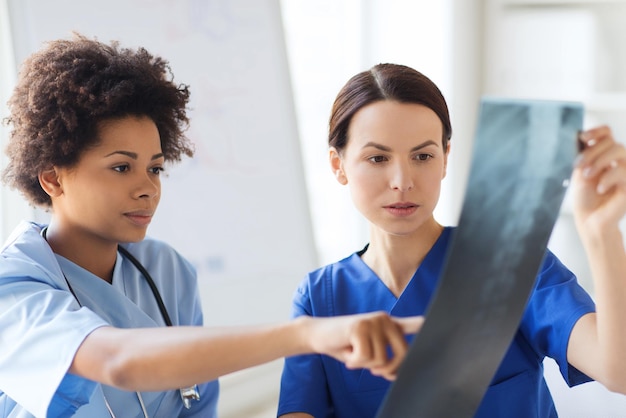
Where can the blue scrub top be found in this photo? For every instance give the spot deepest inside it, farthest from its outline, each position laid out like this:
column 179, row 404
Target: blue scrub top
column 324, row 387
column 42, row 326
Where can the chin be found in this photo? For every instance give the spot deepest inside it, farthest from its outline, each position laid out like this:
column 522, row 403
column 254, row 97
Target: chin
column 136, row 237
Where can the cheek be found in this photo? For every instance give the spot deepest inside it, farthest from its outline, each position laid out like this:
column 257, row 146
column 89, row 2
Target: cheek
column 157, row 198
column 366, row 187
column 363, row 173
column 366, row 181
column 432, row 185
column 83, row 192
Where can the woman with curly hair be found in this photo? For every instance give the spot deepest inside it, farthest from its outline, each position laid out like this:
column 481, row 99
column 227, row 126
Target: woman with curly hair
column 84, row 300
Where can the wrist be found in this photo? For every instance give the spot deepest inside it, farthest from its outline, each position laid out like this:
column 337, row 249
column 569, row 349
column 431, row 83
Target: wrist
column 600, row 235
column 302, row 331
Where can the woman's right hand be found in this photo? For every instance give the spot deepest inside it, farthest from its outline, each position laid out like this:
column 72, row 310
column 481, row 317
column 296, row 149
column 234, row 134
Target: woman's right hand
column 361, row 341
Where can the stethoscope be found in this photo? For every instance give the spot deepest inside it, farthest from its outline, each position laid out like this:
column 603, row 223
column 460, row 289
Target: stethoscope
column 186, row 394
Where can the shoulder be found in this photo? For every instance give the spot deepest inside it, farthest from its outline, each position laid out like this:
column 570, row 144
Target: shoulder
column 24, row 239
column 152, row 248
column 25, row 254
column 157, row 255
column 315, row 280
column 174, row 276
column 557, row 297
column 320, row 286
column 314, row 295
column 553, row 271
column 342, row 268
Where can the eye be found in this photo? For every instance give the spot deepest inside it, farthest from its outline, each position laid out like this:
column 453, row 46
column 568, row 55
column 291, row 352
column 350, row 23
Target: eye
column 423, row 157
column 377, row 159
column 121, row 168
column 157, row 170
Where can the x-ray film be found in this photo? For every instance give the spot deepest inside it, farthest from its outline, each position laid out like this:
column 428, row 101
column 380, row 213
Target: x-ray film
column 522, row 161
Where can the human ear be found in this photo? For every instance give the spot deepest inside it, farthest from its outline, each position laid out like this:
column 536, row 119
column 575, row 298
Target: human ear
column 445, row 160
column 336, row 165
column 49, row 182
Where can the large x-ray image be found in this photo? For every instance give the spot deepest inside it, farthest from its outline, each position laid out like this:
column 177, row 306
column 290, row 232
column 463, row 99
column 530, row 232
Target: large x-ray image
column 522, row 160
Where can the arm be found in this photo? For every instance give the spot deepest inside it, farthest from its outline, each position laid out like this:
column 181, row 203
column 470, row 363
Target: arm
column 598, row 341
column 167, row 358
column 304, row 382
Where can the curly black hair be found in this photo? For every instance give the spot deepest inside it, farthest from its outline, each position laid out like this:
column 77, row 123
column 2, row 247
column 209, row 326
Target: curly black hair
column 65, row 90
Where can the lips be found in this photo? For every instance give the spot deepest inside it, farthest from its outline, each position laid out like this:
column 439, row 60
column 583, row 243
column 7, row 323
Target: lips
column 140, row 217
column 402, row 205
column 401, row 208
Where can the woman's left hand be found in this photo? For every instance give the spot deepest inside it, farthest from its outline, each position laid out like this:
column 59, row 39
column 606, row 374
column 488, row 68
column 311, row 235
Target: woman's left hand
column 599, row 181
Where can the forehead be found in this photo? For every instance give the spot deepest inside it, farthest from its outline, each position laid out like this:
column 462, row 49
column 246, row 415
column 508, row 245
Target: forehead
column 129, row 131
column 387, row 120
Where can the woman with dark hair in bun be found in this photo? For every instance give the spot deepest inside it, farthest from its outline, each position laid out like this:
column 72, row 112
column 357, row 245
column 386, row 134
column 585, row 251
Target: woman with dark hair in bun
column 389, row 141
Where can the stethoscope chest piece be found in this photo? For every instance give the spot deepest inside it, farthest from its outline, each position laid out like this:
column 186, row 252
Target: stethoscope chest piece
column 187, row 394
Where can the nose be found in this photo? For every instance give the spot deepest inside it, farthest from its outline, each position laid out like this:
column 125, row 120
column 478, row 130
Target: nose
column 401, row 179
column 148, row 187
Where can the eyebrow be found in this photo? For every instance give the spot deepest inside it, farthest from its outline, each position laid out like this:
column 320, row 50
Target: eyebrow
column 387, row 149
column 134, row 155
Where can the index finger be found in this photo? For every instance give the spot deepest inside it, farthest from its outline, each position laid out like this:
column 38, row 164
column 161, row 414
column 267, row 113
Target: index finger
column 410, row 324
column 591, row 136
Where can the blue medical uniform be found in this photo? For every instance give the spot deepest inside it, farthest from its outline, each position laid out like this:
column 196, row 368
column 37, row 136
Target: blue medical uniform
column 324, row 387
column 42, row 325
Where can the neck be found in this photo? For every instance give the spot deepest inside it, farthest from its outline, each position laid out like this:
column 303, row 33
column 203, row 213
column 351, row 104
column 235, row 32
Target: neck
column 96, row 256
column 396, row 258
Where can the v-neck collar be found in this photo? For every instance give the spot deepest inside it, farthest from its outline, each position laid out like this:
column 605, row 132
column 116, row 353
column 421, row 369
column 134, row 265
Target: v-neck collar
column 419, row 289
column 106, row 300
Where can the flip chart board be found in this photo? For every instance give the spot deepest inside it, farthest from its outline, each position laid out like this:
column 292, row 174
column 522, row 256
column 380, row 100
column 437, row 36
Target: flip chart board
column 238, row 210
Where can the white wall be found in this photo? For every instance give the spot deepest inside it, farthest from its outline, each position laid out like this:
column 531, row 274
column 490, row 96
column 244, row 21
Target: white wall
column 12, row 205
